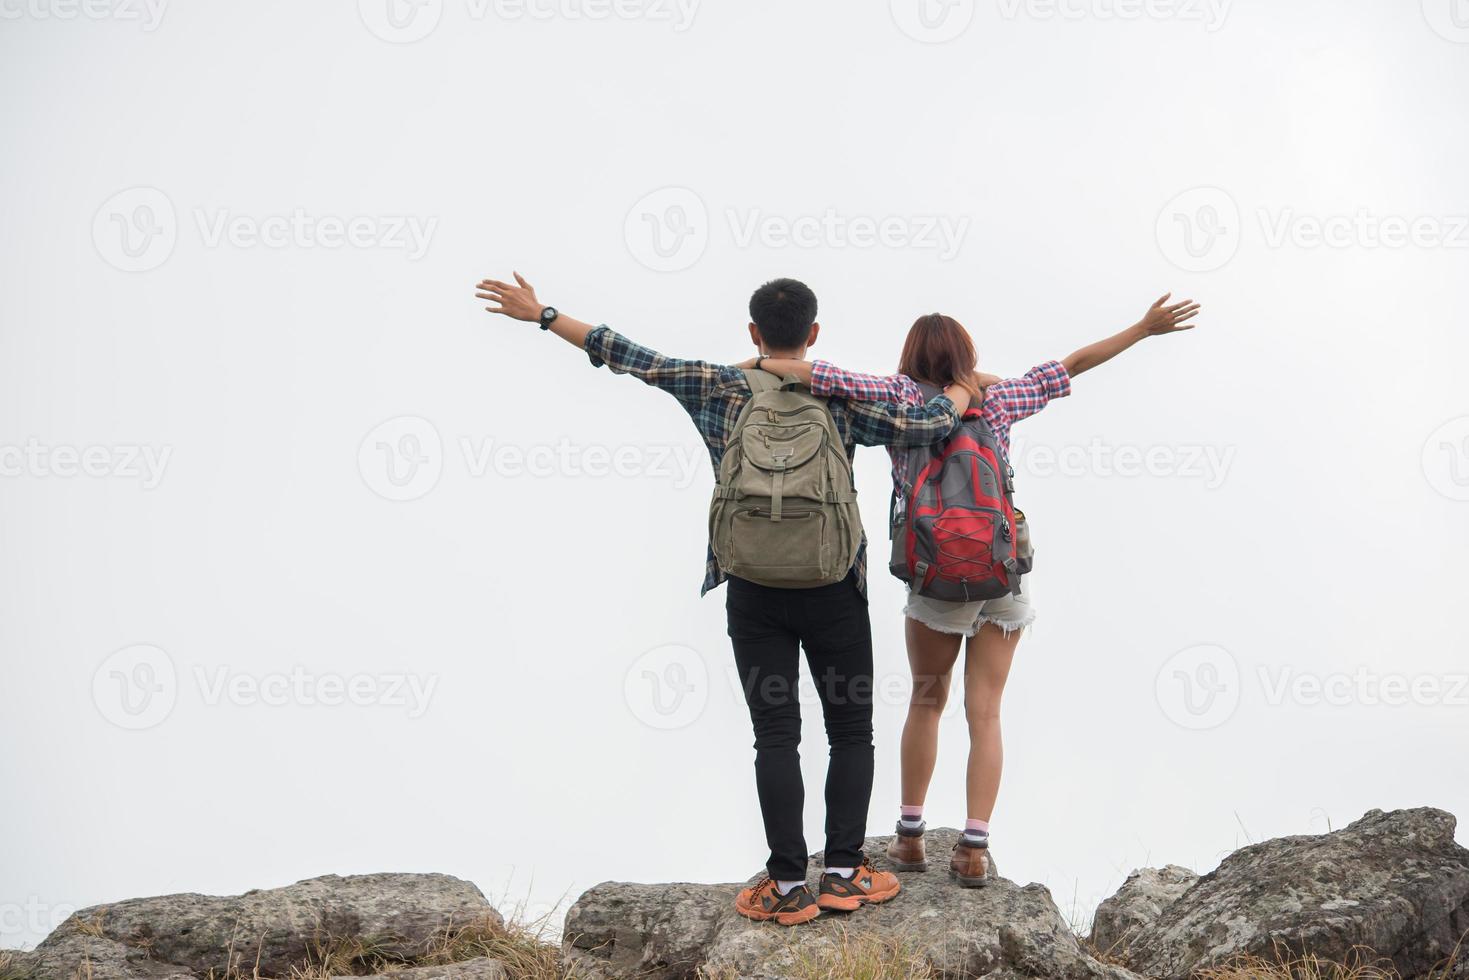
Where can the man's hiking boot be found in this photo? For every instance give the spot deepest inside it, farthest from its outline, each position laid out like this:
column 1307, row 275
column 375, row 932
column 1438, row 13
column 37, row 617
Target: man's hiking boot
column 763, row 902
column 970, row 863
column 867, row 886
column 907, row 852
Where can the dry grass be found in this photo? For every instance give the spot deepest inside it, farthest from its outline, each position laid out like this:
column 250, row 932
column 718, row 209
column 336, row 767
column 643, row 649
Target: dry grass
column 10, row 968
column 525, row 948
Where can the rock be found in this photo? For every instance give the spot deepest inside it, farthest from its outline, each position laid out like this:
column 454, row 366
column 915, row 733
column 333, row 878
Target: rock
column 1137, row 905
column 81, row 955
column 618, row 930
column 280, row 928
column 652, row 931
column 483, row 968
column 1395, row 883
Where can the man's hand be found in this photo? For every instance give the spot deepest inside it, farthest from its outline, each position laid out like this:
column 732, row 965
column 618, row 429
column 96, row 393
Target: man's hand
column 518, row 302
column 1161, row 319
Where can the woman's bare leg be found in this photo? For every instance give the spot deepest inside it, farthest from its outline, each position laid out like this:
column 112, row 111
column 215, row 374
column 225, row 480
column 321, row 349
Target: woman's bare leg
column 931, row 656
column 986, row 668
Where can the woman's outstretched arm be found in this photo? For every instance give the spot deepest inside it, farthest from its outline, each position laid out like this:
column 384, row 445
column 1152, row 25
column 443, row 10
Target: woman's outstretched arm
column 1159, row 319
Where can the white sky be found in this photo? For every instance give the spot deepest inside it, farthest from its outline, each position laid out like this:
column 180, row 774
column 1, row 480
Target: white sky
column 1272, row 508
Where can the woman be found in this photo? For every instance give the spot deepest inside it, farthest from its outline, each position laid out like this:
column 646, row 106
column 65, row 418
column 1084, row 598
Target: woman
column 939, row 352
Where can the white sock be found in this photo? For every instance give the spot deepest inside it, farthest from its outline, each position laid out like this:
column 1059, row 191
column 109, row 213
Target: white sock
column 844, row 872
column 786, row 887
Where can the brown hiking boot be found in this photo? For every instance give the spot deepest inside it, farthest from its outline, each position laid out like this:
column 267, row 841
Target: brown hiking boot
column 867, row 886
column 763, row 902
column 906, row 852
column 970, row 863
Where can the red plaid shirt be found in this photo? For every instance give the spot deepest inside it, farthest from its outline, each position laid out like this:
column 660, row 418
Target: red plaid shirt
column 1005, row 403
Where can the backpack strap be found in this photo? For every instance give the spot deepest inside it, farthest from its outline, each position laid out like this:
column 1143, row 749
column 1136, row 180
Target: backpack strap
column 760, row 380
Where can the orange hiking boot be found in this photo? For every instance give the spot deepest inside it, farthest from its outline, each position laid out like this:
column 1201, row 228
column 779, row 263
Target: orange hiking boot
column 907, row 852
column 763, row 902
column 867, row 886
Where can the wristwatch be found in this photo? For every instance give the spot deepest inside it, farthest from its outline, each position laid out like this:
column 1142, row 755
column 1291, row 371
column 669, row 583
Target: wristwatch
column 548, row 317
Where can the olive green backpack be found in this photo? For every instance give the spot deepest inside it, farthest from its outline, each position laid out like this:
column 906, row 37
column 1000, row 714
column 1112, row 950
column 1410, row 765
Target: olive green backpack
column 785, row 507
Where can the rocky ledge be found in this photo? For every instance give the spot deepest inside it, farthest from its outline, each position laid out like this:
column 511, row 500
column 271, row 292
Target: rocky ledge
column 1395, row 883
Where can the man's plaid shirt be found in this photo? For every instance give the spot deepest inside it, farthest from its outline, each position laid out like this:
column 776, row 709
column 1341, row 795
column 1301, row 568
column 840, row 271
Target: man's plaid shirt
column 713, row 395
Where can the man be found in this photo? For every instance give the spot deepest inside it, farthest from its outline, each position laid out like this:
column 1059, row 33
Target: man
column 768, row 626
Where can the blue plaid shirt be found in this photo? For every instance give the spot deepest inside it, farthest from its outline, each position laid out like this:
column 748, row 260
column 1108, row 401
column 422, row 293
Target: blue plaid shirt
column 714, row 394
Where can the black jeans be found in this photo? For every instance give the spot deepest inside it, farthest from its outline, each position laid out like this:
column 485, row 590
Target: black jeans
column 768, row 627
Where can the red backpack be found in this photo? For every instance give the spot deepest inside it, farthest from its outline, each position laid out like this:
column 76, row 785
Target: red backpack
column 956, row 533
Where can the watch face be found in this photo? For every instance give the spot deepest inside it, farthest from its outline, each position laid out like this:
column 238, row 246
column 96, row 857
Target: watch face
column 549, row 313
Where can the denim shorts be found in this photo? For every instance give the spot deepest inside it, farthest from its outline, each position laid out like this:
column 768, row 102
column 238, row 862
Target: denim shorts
column 1009, row 612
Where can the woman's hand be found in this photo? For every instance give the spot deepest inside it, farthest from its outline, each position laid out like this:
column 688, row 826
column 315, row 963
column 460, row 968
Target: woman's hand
column 1162, row 319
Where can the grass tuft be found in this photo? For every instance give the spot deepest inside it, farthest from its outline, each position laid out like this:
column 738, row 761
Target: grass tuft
column 11, row 969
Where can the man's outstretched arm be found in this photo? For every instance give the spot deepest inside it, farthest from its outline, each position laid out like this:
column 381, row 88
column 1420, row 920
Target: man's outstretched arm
column 688, row 381
column 519, row 302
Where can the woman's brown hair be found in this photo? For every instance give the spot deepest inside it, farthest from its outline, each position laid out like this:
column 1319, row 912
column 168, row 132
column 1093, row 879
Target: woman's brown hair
column 938, row 352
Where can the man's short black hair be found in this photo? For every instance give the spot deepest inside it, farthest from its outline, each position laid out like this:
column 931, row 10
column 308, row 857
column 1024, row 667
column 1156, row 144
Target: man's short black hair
column 783, row 310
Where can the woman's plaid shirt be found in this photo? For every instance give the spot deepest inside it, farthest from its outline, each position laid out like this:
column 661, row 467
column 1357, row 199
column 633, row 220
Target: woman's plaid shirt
column 1005, row 402
column 713, row 395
